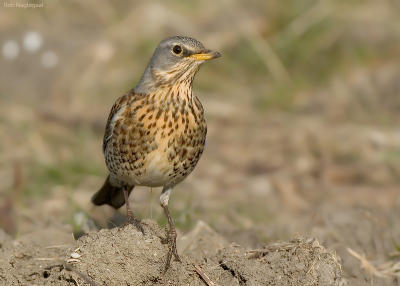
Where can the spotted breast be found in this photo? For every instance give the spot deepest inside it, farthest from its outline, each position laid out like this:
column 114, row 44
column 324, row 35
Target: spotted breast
column 154, row 140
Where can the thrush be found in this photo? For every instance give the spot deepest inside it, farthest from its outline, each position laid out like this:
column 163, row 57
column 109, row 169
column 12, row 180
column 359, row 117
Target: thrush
column 155, row 133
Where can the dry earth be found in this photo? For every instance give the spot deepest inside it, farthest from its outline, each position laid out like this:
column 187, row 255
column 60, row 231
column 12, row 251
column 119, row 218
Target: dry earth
column 123, row 256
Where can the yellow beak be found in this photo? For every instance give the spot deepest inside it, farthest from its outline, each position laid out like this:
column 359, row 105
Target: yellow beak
column 206, row 55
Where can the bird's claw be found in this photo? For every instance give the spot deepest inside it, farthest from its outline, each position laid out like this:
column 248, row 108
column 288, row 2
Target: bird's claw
column 136, row 222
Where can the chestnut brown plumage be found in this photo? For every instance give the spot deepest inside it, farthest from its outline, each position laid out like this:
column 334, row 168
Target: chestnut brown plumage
column 155, row 134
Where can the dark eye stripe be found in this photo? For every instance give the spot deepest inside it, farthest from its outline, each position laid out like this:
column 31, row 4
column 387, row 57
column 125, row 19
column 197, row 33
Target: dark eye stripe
column 187, row 53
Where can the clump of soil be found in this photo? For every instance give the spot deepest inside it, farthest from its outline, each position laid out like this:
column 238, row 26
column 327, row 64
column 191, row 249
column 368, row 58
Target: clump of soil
column 298, row 262
column 124, row 256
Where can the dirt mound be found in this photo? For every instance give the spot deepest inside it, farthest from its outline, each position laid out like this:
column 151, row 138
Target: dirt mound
column 298, row 262
column 124, row 256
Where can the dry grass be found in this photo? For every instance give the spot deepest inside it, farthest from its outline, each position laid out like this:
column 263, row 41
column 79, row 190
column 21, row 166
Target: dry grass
column 387, row 269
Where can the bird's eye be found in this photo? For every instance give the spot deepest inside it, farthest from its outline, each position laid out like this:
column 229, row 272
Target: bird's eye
column 177, row 49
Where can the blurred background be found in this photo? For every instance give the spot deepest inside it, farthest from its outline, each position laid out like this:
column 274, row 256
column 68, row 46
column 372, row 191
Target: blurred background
column 303, row 112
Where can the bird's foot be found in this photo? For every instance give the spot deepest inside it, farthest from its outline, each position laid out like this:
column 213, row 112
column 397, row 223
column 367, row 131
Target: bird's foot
column 172, row 250
column 136, row 222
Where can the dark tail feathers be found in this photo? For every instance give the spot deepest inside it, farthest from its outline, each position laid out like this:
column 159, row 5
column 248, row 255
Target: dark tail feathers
column 110, row 195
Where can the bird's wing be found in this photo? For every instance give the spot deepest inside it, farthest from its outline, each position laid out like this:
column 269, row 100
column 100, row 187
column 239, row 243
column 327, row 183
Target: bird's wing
column 118, row 108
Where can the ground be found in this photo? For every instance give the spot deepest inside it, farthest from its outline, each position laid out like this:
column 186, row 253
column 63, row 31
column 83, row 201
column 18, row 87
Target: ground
column 124, row 256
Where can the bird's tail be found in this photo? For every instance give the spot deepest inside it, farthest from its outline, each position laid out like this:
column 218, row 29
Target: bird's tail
column 110, row 195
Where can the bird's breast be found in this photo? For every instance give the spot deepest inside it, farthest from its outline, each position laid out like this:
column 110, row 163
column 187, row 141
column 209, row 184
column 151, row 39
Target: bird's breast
column 157, row 142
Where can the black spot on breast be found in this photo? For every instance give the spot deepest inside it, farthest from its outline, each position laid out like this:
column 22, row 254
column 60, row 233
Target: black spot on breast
column 142, row 117
column 184, row 153
column 159, row 113
column 137, row 107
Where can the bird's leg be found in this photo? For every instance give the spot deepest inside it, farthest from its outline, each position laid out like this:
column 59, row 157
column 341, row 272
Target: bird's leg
column 171, row 233
column 131, row 217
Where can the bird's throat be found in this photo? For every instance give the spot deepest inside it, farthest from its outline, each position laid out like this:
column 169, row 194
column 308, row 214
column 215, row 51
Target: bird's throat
column 179, row 93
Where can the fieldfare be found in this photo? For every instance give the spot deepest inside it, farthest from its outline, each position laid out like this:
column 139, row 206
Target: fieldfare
column 155, row 133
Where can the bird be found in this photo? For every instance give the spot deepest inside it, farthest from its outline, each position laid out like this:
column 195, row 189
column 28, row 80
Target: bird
column 156, row 132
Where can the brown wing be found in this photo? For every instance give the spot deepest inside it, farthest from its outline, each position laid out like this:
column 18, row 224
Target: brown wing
column 120, row 103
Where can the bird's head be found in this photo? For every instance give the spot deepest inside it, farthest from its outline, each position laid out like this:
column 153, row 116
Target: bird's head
column 175, row 60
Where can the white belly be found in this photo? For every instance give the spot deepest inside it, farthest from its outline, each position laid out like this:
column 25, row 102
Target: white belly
column 153, row 174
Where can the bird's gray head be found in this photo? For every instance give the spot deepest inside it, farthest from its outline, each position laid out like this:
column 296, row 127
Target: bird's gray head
column 176, row 59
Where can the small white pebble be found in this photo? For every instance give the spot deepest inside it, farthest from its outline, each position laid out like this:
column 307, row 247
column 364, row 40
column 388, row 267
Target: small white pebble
column 75, row 255
column 10, row 50
column 32, row 42
column 49, row 59
column 16, row 243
